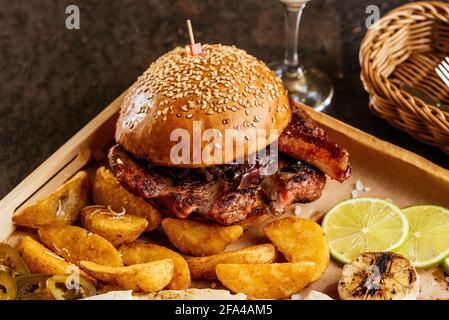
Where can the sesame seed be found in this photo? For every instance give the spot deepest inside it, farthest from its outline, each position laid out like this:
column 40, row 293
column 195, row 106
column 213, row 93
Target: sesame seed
column 174, row 76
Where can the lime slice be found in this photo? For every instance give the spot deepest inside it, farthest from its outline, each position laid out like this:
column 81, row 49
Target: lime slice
column 446, row 266
column 364, row 225
column 428, row 239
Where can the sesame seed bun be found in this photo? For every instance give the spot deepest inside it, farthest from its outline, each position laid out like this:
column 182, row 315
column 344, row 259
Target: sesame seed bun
column 224, row 88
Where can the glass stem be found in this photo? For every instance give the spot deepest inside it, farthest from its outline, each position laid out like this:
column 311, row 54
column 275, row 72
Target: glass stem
column 292, row 12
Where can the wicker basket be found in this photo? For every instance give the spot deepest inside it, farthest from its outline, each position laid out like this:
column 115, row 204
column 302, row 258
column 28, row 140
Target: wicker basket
column 404, row 48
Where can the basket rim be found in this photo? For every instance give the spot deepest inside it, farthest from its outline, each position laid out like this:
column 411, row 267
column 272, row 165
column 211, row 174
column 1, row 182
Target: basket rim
column 394, row 16
column 404, row 10
column 397, row 106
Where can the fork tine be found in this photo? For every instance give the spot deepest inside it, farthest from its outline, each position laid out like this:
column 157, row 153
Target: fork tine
column 444, row 75
column 445, row 65
column 447, row 59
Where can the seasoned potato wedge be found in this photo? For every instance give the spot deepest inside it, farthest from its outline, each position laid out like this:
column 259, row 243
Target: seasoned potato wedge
column 199, row 238
column 116, row 227
column 266, row 281
column 108, row 191
column 62, row 207
column 75, row 244
column 41, row 260
column 300, row 240
column 145, row 277
column 253, row 220
column 139, row 252
column 204, row 267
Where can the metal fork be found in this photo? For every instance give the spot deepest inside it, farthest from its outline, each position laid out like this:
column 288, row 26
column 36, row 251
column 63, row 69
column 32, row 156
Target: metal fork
column 443, row 70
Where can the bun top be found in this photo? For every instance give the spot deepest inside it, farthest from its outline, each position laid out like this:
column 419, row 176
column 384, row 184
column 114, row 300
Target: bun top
column 223, row 88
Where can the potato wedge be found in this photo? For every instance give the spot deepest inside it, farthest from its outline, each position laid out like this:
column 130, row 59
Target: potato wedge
column 253, row 220
column 108, row 191
column 62, row 207
column 146, row 277
column 139, row 252
column 300, row 240
column 266, row 281
column 199, row 238
column 41, row 260
column 115, row 227
column 204, row 267
column 75, row 244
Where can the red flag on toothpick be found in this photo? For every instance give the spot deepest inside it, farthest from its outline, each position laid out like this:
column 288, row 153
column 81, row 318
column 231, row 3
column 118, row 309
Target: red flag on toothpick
column 192, row 49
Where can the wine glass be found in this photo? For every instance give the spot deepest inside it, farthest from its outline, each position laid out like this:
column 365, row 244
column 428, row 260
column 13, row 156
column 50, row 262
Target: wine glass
column 309, row 86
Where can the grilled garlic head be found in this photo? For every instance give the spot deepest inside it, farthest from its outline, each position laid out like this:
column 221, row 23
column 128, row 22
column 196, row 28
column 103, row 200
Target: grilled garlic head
column 379, row 276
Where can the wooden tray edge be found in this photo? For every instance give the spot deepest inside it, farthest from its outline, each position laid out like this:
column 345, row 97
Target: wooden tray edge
column 72, row 156
column 381, row 146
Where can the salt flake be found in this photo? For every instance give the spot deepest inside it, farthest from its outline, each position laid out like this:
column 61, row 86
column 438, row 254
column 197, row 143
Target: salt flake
column 359, row 185
column 296, row 297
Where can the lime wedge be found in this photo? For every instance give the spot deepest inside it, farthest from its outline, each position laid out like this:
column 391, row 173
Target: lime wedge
column 364, row 225
column 428, row 238
column 446, row 266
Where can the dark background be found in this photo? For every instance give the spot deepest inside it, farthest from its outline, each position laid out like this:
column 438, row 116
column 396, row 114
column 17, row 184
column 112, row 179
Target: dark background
column 54, row 80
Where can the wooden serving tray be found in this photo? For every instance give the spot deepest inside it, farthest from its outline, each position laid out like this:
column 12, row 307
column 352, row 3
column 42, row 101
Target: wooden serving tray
column 388, row 171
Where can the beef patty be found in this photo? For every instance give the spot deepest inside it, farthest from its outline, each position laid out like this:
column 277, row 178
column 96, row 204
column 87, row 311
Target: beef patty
column 225, row 194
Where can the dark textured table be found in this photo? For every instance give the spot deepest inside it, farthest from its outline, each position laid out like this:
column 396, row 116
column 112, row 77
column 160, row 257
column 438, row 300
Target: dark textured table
column 54, row 80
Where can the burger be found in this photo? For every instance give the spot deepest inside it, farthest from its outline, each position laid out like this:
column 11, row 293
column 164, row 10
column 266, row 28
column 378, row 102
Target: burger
column 214, row 136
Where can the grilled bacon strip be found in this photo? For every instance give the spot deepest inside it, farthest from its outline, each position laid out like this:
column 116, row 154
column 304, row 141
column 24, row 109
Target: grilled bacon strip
column 304, row 140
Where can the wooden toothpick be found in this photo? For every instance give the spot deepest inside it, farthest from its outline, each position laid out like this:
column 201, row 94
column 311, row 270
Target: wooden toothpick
column 193, row 49
column 190, row 29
